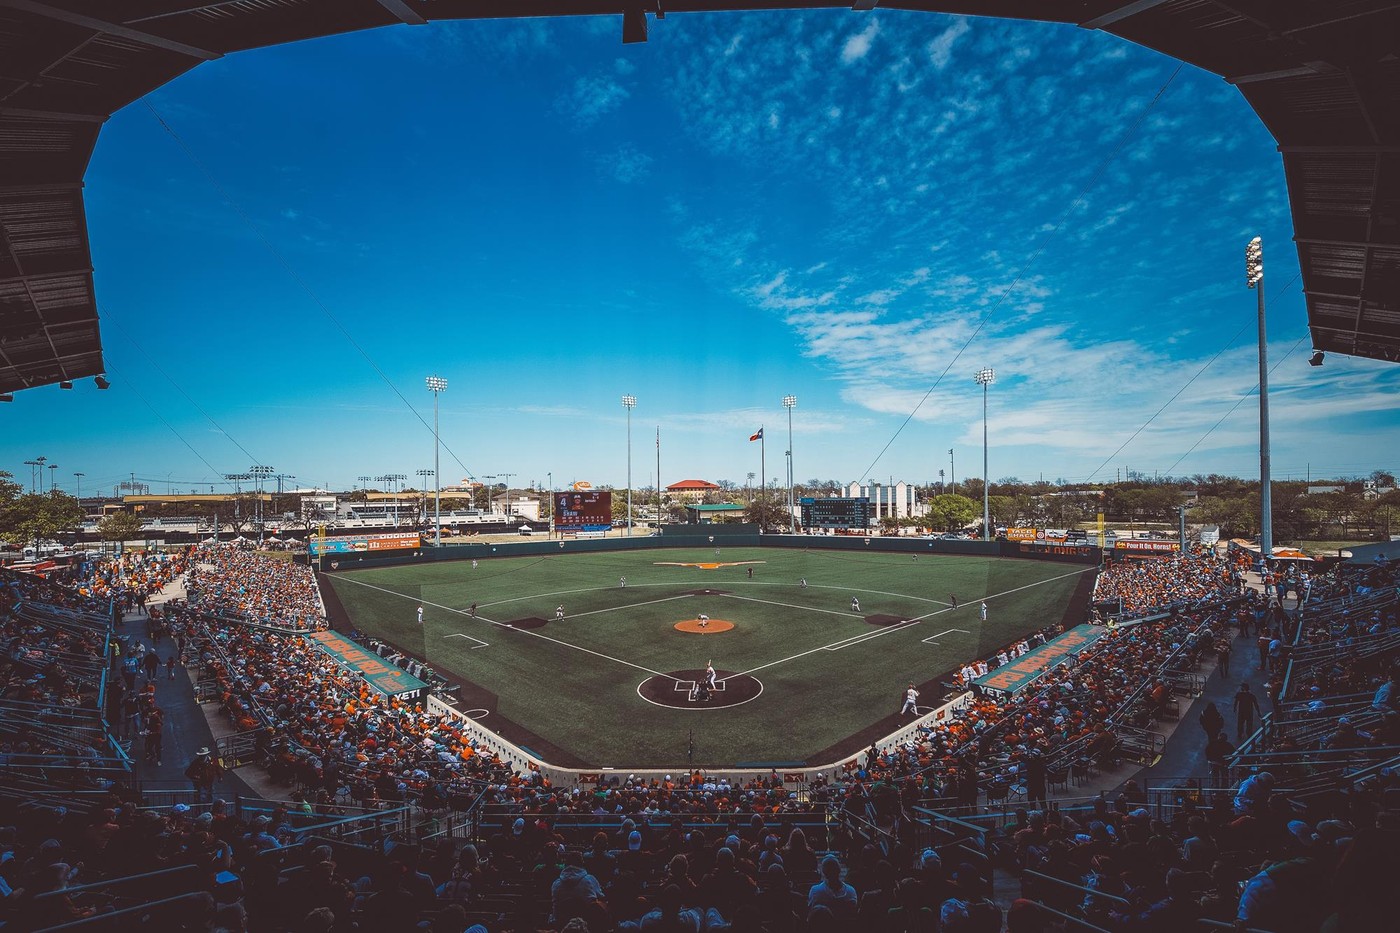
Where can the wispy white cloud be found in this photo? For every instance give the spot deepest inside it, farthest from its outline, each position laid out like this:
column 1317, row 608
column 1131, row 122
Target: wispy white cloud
column 940, row 50
column 592, row 97
column 858, row 45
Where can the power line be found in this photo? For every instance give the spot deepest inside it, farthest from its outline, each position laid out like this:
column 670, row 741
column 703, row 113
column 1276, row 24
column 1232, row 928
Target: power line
column 1228, row 345
column 1030, row 263
column 137, row 392
column 107, row 314
column 1168, row 471
column 294, row 276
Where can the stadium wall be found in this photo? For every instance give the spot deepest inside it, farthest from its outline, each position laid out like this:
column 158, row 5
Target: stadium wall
column 704, row 536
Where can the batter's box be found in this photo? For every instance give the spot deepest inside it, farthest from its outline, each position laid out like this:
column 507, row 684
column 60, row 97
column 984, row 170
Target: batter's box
column 688, row 686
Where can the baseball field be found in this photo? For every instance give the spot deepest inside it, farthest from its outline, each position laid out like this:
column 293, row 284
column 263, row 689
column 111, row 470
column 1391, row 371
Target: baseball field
column 561, row 656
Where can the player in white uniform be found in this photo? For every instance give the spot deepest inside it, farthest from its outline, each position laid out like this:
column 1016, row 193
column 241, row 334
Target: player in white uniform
column 983, row 611
column 855, row 604
column 710, row 674
column 704, row 620
column 420, row 615
column 558, row 612
column 622, row 582
column 910, row 696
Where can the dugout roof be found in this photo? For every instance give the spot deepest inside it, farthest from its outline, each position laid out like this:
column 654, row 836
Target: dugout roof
column 1323, row 75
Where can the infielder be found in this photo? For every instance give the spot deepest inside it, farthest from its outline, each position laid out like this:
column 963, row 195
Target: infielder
column 855, row 604
column 420, row 615
column 559, row 613
column 983, row 611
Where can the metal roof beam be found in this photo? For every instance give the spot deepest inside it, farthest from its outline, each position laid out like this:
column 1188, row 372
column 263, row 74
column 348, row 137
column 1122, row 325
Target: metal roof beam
column 1303, row 71
column 403, row 12
column 1340, row 150
column 1357, row 244
column 1120, row 13
column 111, row 29
column 57, row 115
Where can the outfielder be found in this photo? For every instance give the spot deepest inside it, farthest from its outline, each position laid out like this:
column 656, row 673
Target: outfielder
column 910, row 696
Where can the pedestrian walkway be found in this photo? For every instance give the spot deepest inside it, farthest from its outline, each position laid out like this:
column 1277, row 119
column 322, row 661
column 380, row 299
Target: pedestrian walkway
column 187, row 729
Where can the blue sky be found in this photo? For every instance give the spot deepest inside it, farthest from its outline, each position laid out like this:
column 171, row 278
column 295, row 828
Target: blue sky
column 826, row 204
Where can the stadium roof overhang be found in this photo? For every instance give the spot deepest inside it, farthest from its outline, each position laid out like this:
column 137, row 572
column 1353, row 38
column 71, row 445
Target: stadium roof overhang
column 1323, row 75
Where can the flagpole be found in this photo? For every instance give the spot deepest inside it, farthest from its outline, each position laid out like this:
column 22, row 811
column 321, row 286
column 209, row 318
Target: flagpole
column 658, row 477
column 762, row 455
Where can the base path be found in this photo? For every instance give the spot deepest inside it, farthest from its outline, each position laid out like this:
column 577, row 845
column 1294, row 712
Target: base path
column 693, row 627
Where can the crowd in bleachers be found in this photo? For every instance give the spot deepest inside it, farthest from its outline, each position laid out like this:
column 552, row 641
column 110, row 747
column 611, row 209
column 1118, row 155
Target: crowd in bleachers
column 237, row 581
column 693, row 852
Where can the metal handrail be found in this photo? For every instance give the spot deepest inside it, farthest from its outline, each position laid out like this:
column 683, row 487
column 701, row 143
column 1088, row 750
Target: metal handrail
column 1070, row 917
column 1071, row 884
column 112, row 882
column 98, row 920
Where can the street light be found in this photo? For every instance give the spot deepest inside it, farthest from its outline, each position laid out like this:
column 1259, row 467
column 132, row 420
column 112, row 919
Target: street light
column 1254, row 276
column 790, row 402
column 436, row 385
column 629, row 402
column 984, row 378
column 31, row 464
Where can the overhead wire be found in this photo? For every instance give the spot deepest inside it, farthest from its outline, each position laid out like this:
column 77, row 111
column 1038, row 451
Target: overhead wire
column 1231, row 342
column 1237, row 404
column 107, row 315
column 137, row 392
column 296, row 277
column 1034, row 257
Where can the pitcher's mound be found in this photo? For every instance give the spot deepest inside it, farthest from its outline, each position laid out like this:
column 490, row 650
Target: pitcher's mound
column 693, row 626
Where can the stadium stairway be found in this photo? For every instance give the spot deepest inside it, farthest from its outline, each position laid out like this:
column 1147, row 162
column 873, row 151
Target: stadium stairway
column 187, row 728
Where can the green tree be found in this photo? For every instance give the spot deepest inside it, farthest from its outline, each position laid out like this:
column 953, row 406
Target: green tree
column 120, row 526
column 950, row 511
column 767, row 513
column 35, row 517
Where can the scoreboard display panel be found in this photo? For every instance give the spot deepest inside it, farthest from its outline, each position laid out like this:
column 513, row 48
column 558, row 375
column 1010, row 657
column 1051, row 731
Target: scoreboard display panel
column 583, row 510
column 838, row 512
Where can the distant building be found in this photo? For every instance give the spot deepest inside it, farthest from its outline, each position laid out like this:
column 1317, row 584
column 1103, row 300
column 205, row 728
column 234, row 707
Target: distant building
column 690, row 490
column 708, row 514
column 1324, row 490
column 886, row 501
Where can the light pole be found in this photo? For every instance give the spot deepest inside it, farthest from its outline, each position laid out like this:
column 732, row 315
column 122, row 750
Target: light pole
column 259, row 473
column 1254, row 275
column 984, row 378
column 436, row 385
column 790, row 402
column 80, row 485
column 53, row 477
column 952, row 472
column 425, row 474
column 32, row 464
column 629, row 402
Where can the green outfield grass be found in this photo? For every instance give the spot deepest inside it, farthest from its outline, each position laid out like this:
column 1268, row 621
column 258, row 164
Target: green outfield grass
column 571, row 686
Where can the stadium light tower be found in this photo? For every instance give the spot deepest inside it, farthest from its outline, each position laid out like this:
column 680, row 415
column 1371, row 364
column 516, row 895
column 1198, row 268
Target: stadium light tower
column 984, row 378
column 436, row 385
column 629, row 402
column 79, row 477
column 260, row 472
column 1254, row 276
column 790, row 402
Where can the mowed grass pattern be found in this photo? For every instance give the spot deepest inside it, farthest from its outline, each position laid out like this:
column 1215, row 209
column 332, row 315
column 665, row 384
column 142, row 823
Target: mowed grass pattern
column 826, row 673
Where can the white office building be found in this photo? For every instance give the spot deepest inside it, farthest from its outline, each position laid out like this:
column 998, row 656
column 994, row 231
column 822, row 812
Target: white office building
column 886, row 501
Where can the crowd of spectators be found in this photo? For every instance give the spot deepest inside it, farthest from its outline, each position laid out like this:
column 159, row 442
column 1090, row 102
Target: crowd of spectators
column 1153, row 584
column 694, row 852
column 237, row 581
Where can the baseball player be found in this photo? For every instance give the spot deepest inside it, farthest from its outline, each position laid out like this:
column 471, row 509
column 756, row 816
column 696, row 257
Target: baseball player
column 910, row 696
column 710, row 675
column 622, row 582
column 559, row 613
column 983, row 611
column 704, row 620
column 420, row 615
column 855, row 604
column 802, row 583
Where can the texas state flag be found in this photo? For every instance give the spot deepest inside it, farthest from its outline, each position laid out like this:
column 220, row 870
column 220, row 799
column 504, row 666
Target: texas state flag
column 758, row 436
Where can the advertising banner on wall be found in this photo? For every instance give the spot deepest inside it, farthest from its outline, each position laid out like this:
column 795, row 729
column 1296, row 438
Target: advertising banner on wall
column 365, row 543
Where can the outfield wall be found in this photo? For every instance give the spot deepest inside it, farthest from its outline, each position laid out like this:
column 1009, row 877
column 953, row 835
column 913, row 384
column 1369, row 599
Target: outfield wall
column 705, row 536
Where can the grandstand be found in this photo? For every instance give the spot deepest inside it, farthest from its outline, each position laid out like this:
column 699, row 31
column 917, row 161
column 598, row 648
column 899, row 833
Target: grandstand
column 955, row 812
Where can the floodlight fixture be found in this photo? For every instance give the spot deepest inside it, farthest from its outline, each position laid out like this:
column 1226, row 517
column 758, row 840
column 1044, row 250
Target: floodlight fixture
column 65, row 384
column 437, row 385
column 790, row 402
column 985, row 377
column 629, row 402
column 1316, row 358
column 102, row 383
column 1254, row 262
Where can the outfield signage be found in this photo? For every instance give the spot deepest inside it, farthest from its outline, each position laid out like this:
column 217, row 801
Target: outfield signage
column 365, row 544
column 379, row 674
column 1020, row 673
column 1156, row 547
column 1020, row 534
column 586, row 509
column 836, row 512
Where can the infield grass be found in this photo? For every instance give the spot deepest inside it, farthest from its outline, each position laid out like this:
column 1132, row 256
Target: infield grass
column 826, row 673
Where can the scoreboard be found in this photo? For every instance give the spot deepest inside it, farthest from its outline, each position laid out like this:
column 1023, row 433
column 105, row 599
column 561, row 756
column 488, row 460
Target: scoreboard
column 583, row 510
column 839, row 512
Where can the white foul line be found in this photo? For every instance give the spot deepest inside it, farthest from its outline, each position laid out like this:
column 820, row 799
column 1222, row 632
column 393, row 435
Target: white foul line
column 594, row 612
column 479, row 642
column 598, row 654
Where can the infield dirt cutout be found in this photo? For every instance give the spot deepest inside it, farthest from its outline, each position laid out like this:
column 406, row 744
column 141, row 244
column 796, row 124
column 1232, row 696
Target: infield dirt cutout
column 692, row 626
column 675, row 689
